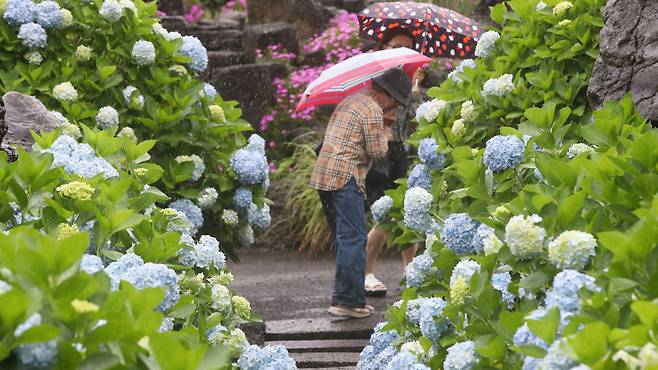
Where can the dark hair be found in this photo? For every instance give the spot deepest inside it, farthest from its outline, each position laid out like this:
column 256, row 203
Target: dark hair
column 390, row 34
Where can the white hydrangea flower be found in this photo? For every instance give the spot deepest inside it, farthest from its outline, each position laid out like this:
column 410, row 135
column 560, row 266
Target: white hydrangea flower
column 71, row 130
column 83, row 53
column 107, row 117
column 486, row 44
column 207, row 198
column 171, row 36
column 524, row 238
column 230, row 217
column 221, row 297
column 430, row 110
column 65, row 91
column 158, row 29
column 111, row 10
column 562, row 7
column 572, row 250
column 143, row 53
column 67, row 18
column 541, row 6
column 33, row 57
column 128, row 4
column 458, row 128
column 413, row 347
column 468, row 111
column 498, row 86
column 578, row 149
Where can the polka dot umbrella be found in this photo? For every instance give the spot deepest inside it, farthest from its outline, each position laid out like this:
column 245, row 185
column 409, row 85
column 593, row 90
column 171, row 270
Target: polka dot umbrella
column 437, row 31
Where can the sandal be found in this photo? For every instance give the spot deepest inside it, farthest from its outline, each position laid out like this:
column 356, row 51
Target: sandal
column 374, row 287
column 357, row 313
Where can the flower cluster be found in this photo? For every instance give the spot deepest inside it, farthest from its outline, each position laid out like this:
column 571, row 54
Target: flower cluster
column 430, row 110
column 381, row 207
column 467, row 63
column 405, row 361
column 37, row 355
column 427, row 152
column 131, row 96
column 111, row 10
column 500, row 86
column 79, row 158
column 143, row 53
column 131, row 268
column 65, row 92
column 193, row 49
column 418, row 270
column 572, row 250
column 417, row 204
column 564, row 292
column 432, row 324
column 420, row 177
column 76, row 190
column 486, row 44
column 380, row 351
column 562, row 7
column 259, row 217
column 501, row 281
column 33, row 36
column 461, row 356
column 250, row 164
column 191, row 214
column 503, row 153
column 468, row 111
column 107, row 117
column 205, row 254
column 268, row 357
column 459, row 233
column 578, row 149
column 524, row 238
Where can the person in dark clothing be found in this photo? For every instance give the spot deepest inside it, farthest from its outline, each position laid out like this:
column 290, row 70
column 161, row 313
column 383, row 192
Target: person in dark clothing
column 394, row 166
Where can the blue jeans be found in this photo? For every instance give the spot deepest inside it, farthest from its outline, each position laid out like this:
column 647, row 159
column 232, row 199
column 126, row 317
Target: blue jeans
column 345, row 212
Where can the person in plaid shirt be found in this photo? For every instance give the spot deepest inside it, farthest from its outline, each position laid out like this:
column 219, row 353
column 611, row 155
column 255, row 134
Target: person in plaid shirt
column 356, row 135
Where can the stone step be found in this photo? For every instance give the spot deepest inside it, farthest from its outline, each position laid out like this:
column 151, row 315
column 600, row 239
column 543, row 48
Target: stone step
column 319, row 328
column 328, row 345
column 325, row 360
column 219, row 40
column 219, row 59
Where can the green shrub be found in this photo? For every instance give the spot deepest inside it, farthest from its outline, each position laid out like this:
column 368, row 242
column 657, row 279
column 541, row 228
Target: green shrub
column 110, row 64
column 541, row 227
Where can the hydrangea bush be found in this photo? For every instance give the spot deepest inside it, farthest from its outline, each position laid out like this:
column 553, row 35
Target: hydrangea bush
column 91, row 262
column 541, row 228
column 111, row 64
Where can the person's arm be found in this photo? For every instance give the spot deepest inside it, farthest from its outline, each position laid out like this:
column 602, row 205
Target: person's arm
column 376, row 133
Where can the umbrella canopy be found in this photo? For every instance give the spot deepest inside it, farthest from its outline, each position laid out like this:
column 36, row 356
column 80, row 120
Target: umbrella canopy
column 357, row 72
column 437, row 31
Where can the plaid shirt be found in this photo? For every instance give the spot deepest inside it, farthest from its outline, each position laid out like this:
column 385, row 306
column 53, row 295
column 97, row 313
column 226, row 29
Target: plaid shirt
column 353, row 139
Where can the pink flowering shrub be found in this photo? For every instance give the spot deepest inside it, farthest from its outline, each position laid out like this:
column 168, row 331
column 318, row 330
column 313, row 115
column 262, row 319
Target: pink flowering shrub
column 335, row 44
column 200, row 9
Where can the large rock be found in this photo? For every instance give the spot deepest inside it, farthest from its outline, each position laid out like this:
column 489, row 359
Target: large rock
column 306, row 15
column 628, row 59
column 250, row 84
column 25, row 113
column 259, row 36
column 11, row 152
column 171, row 7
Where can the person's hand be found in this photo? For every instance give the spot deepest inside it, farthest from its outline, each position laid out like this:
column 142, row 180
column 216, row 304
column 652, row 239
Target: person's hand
column 415, row 80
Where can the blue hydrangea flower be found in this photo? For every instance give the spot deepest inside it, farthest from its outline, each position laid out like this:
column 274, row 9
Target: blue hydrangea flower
column 418, row 270
column 523, row 336
column 246, row 235
column 555, row 359
column 500, row 281
column 38, row 355
column 256, row 144
column 269, row 357
column 530, row 363
column 111, row 10
column 466, row 63
column 49, row 14
column 413, row 310
column 461, row 356
column 381, row 207
column 242, row 198
column 132, row 269
column 143, row 53
column 33, row 36
column 19, row 12
column 210, row 91
column 250, row 166
column 79, row 158
column 193, row 49
column 405, row 361
column 503, row 152
column 91, row 264
column 259, row 218
column 382, row 339
column 459, row 233
column 564, row 292
column 167, row 325
column 128, row 96
column 417, row 204
column 376, row 360
column 432, row 325
column 427, row 152
column 203, row 254
column 420, row 177
column 191, row 212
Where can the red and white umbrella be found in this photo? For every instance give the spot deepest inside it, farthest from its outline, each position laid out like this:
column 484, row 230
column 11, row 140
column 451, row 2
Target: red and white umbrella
column 357, row 72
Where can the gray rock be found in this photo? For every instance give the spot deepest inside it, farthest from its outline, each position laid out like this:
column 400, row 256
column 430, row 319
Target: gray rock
column 25, row 113
column 11, row 152
column 628, row 59
column 249, row 84
column 306, row 15
column 171, row 7
column 353, row 6
column 259, row 36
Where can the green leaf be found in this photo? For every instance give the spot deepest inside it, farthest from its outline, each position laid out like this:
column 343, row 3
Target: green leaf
column 546, row 327
column 590, row 343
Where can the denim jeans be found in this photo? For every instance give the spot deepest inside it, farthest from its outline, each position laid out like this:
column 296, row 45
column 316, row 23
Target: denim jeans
column 345, row 212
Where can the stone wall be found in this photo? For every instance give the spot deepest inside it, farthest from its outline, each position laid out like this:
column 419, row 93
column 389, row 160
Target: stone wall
column 628, row 59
